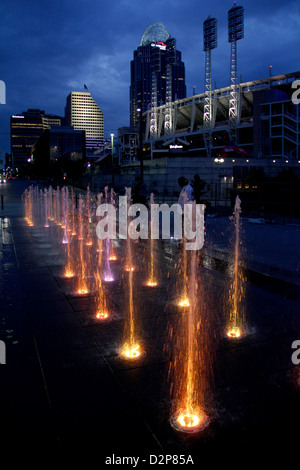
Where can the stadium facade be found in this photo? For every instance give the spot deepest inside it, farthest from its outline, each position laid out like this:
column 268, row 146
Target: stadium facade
column 268, row 124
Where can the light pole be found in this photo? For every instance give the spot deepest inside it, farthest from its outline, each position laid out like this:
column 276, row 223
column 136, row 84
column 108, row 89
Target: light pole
column 112, row 156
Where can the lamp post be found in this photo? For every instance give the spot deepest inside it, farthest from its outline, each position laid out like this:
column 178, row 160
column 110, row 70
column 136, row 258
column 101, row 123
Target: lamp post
column 112, row 156
column 139, row 110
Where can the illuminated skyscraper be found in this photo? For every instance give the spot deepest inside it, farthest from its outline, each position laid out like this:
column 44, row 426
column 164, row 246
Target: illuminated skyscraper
column 25, row 129
column 155, row 59
column 83, row 113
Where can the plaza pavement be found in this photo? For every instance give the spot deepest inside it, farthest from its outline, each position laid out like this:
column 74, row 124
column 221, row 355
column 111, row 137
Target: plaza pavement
column 65, row 389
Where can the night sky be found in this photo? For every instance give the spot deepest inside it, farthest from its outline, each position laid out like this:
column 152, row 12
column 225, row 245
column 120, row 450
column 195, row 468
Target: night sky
column 49, row 48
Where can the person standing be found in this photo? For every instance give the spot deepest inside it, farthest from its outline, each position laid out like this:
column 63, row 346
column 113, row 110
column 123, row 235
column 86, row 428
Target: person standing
column 187, row 193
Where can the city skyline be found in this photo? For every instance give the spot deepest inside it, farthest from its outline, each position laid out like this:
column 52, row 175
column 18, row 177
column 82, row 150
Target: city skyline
column 43, row 60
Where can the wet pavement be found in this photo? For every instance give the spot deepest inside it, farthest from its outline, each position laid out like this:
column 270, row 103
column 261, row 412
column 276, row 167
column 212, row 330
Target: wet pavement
column 65, row 389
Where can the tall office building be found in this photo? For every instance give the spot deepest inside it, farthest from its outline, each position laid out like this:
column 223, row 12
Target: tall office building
column 156, row 54
column 83, row 113
column 25, row 129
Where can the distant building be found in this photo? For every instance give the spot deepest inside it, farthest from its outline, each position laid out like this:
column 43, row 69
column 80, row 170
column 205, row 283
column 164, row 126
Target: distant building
column 25, row 130
column 93, row 146
column 128, row 144
column 156, row 51
column 83, row 113
column 267, row 128
column 58, row 146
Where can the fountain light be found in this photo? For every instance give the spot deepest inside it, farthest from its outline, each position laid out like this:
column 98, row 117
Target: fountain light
column 190, row 421
column 82, row 291
column 113, row 258
column 234, row 332
column 184, row 302
column 101, row 315
column 69, row 273
column 151, row 283
column 131, row 351
column 108, row 277
column 129, row 268
column 82, row 288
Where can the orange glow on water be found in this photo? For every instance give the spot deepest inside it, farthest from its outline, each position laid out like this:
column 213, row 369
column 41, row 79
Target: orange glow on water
column 234, row 332
column 152, row 283
column 69, row 273
column 82, row 291
column 129, row 268
column 112, row 254
column 101, row 315
column 131, row 351
column 190, row 420
column 184, row 302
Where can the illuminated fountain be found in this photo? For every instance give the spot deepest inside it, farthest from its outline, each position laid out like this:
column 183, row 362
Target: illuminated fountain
column 191, row 368
column 46, row 225
column 65, row 209
column 54, row 207
column 184, row 298
column 73, row 213
column 82, row 284
column 69, row 271
column 101, row 300
column 100, row 297
column 152, row 281
column 131, row 348
column 57, row 206
column 107, row 275
column 112, row 255
column 28, row 206
column 89, row 240
column 51, row 204
column 236, row 327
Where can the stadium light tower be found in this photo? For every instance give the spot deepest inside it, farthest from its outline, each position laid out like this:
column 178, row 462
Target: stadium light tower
column 209, row 43
column 235, row 32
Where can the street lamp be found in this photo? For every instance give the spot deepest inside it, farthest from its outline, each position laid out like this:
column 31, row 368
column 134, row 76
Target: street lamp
column 112, row 148
column 112, row 156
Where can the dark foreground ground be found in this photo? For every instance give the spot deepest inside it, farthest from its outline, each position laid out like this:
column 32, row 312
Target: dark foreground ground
column 65, row 390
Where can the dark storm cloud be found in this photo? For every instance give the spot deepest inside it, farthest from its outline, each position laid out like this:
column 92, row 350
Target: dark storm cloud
column 51, row 48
